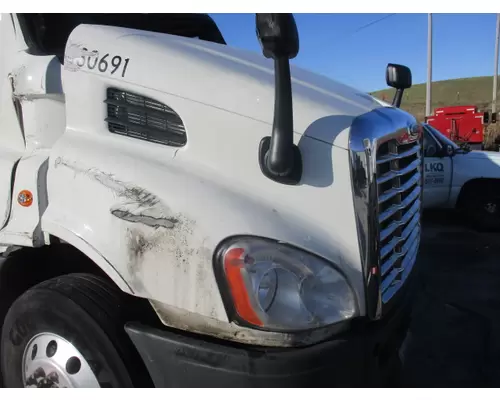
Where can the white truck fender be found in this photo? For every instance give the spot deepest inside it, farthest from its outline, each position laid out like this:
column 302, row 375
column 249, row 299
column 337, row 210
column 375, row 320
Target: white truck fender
column 72, row 238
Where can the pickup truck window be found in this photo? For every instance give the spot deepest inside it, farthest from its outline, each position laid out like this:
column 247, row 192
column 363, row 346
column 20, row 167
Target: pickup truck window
column 47, row 34
column 431, row 145
column 442, row 139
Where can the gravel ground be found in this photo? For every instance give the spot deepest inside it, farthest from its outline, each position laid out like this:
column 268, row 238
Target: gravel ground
column 454, row 338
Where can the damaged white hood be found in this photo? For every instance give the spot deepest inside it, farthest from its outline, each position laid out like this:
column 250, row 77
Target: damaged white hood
column 237, row 81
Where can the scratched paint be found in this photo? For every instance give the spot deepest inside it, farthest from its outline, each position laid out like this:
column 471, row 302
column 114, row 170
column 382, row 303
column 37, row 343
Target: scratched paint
column 74, row 53
column 125, row 190
column 169, row 261
column 167, row 255
column 140, row 206
column 144, row 217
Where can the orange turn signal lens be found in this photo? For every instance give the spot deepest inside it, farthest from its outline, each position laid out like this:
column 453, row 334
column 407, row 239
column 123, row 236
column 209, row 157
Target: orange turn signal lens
column 25, row 198
column 234, row 269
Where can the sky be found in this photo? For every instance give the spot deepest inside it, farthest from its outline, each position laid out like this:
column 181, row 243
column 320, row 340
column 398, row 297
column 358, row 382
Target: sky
column 355, row 49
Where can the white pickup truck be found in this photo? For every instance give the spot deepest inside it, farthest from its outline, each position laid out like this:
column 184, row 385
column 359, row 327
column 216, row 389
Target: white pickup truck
column 170, row 217
column 461, row 179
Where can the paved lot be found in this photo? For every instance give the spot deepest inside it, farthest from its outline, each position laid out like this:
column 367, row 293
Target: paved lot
column 454, row 338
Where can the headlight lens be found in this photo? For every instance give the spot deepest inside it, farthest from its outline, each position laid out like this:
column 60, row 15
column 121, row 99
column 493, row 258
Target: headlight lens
column 277, row 287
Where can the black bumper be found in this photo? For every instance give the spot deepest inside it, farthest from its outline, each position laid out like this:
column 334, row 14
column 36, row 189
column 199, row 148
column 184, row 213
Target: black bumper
column 366, row 356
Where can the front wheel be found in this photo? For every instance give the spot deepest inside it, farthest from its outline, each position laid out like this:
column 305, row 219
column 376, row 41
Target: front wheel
column 68, row 332
column 482, row 207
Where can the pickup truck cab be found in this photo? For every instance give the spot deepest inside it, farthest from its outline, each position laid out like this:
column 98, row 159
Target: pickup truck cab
column 459, row 178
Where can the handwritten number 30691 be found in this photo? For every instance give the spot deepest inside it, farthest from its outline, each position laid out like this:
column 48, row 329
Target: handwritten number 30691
column 104, row 64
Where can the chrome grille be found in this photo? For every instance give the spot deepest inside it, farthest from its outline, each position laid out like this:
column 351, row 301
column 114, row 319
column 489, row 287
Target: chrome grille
column 398, row 182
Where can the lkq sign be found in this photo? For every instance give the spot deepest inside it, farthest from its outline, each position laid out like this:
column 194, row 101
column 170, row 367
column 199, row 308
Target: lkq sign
column 434, row 167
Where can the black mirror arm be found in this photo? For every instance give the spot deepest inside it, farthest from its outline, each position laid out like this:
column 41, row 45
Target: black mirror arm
column 280, row 155
column 398, row 97
column 279, row 158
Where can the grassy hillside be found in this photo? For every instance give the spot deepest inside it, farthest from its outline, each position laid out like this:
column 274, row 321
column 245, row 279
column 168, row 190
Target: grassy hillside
column 473, row 91
column 466, row 91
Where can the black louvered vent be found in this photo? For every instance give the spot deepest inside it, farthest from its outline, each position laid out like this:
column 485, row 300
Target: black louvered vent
column 143, row 118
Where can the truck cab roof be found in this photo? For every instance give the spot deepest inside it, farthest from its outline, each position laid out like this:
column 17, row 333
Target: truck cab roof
column 47, row 34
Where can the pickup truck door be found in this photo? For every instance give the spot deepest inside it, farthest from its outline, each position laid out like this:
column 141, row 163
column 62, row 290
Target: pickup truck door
column 438, row 171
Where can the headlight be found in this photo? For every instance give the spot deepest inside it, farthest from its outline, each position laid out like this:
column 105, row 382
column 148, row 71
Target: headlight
column 277, row 287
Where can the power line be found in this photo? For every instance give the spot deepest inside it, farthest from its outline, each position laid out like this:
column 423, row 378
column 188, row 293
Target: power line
column 348, row 35
column 373, row 23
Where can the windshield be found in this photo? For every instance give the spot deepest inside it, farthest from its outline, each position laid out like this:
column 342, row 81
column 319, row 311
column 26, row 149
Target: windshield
column 442, row 138
column 48, row 33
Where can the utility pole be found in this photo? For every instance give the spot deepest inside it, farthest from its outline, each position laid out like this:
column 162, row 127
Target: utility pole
column 428, row 96
column 495, row 75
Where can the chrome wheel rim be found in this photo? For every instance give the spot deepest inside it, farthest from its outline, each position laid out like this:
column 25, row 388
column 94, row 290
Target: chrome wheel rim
column 50, row 361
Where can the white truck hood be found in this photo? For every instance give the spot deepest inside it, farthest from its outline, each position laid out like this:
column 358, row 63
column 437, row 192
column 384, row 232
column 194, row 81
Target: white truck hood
column 220, row 76
column 478, row 164
column 491, row 156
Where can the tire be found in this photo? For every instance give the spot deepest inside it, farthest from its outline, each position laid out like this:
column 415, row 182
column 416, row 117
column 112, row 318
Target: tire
column 482, row 207
column 83, row 310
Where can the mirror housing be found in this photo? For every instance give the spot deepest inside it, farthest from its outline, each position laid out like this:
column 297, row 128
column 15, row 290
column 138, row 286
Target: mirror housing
column 278, row 35
column 399, row 77
column 279, row 158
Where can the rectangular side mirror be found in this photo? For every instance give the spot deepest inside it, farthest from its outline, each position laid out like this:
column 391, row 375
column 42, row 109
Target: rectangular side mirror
column 278, row 35
column 398, row 76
